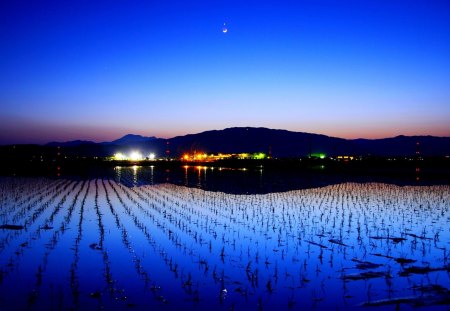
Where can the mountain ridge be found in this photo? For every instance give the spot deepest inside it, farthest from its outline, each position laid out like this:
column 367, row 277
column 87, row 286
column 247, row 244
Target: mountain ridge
column 130, row 139
column 279, row 142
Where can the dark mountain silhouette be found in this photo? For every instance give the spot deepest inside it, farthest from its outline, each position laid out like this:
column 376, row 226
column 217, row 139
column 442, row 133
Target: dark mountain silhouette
column 281, row 143
column 284, row 143
column 73, row 143
column 130, row 139
column 405, row 146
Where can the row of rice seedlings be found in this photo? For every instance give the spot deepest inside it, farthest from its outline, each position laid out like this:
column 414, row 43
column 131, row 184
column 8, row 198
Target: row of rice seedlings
column 115, row 293
column 140, row 270
column 200, row 239
column 171, row 211
column 230, row 229
column 53, row 241
column 29, row 207
column 40, row 203
column 292, row 246
column 95, row 295
column 203, row 261
column 74, row 279
column 12, row 190
column 222, row 253
column 267, row 283
column 166, row 213
column 166, row 218
column 186, row 283
column 157, row 248
column 106, row 263
column 16, row 192
column 26, row 215
column 341, row 233
column 34, row 236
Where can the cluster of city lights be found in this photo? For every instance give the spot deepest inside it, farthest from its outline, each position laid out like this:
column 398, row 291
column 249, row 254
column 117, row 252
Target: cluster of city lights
column 221, row 156
column 133, row 156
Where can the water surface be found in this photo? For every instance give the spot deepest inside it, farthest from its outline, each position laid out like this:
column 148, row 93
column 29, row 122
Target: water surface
column 117, row 243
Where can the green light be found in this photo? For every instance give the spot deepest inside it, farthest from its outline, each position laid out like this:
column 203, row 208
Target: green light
column 259, row 156
column 318, row 155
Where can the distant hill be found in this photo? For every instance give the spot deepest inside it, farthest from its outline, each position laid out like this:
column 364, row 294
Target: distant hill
column 130, row 139
column 284, row 143
column 281, row 143
column 73, row 143
column 405, row 145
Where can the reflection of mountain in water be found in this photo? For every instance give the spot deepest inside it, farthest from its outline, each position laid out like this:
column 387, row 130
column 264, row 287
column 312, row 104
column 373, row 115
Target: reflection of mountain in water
column 245, row 181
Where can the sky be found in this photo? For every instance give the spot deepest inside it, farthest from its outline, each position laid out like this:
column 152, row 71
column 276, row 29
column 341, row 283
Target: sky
column 97, row 70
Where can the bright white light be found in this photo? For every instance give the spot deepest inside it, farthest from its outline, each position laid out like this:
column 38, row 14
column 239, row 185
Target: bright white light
column 119, row 156
column 151, row 156
column 136, row 156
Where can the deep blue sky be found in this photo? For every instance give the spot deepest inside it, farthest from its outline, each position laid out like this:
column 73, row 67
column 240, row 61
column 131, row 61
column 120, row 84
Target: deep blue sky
column 78, row 70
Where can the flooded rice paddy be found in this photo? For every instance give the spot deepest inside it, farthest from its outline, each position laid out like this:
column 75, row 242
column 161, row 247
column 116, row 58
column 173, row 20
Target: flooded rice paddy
column 112, row 244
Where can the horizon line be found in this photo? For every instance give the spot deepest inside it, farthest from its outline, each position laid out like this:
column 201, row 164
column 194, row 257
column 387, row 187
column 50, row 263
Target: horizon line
column 97, row 141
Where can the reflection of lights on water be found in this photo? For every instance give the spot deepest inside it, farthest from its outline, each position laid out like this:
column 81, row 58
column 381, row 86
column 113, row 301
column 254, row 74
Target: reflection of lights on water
column 186, row 180
column 135, row 170
column 199, row 176
column 118, row 170
column 151, row 174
